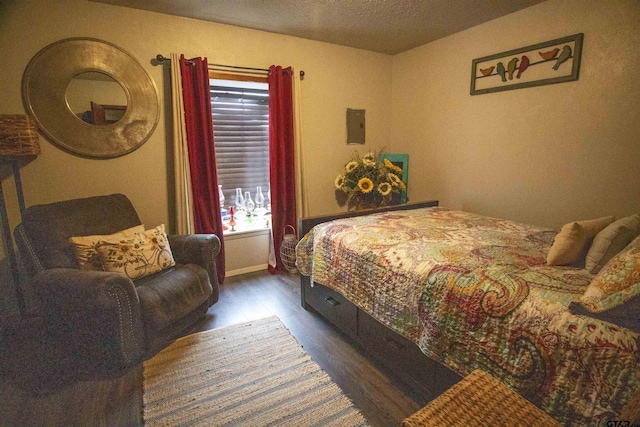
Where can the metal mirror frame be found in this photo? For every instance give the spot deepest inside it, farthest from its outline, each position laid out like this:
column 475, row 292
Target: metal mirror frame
column 44, row 86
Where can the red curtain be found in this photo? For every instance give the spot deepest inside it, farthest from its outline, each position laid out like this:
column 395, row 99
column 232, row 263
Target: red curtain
column 202, row 156
column 281, row 157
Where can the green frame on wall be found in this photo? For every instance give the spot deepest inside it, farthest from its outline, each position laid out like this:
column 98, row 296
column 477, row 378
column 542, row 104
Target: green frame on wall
column 554, row 61
column 402, row 161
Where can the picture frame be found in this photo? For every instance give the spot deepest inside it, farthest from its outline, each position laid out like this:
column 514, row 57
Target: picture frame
column 554, row 61
column 402, row 161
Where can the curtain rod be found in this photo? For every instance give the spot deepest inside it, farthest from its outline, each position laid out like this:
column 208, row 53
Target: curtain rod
column 249, row 70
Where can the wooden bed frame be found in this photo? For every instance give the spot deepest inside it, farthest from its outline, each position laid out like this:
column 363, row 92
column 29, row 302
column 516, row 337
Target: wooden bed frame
column 395, row 352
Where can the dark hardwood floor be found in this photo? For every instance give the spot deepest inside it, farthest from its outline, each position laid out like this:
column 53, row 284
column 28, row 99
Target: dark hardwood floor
column 382, row 398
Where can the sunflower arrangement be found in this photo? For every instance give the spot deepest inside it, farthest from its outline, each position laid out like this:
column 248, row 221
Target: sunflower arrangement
column 368, row 183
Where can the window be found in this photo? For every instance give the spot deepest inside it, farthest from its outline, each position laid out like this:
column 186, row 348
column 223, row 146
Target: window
column 241, row 133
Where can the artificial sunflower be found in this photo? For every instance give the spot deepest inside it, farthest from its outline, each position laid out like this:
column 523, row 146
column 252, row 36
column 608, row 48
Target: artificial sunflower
column 394, row 168
column 394, row 179
column 351, row 166
column 384, row 188
column 369, row 163
column 365, row 185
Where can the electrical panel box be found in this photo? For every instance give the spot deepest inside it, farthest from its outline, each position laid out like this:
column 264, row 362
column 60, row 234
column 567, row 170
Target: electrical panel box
column 355, row 126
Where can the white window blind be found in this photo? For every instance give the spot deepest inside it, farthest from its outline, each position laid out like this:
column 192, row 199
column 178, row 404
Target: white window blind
column 241, row 132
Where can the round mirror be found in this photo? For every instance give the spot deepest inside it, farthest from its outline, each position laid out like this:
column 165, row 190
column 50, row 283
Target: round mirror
column 91, row 98
column 96, row 98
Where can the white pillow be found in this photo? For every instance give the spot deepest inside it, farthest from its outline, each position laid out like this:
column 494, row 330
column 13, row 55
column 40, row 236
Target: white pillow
column 145, row 253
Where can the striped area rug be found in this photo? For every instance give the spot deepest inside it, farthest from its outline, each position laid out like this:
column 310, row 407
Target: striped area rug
column 253, row 374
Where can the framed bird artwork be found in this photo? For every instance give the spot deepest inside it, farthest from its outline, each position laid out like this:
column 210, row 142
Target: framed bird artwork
column 555, row 61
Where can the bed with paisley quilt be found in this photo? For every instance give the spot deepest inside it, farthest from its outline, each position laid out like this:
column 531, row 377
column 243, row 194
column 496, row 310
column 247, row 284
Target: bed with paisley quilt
column 474, row 292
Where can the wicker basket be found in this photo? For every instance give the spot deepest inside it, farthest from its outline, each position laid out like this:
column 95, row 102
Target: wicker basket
column 288, row 249
column 18, row 135
column 480, row 400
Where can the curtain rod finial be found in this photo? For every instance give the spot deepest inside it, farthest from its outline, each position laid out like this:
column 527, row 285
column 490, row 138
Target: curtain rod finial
column 160, row 58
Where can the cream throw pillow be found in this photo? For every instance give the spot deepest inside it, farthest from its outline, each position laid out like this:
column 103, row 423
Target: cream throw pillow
column 145, row 253
column 607, row 243
column 85, row 246
column 570, row 245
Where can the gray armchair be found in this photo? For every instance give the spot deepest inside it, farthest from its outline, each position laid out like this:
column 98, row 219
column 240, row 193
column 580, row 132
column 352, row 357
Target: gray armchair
column 98, row 320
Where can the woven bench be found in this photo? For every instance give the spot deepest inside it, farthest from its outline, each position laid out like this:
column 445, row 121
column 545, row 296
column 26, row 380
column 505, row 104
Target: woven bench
column 480, row 400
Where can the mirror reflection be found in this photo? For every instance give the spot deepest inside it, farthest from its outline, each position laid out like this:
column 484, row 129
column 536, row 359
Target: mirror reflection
column 96, row 98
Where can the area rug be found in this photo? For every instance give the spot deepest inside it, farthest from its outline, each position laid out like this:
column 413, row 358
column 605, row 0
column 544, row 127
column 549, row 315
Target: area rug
column 252, row 374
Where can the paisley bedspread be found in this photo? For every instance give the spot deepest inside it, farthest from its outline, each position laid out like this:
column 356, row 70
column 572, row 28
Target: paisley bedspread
column 475, row 293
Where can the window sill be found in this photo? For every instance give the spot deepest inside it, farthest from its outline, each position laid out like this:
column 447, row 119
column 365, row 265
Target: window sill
column 232, row 235
column 255, row 227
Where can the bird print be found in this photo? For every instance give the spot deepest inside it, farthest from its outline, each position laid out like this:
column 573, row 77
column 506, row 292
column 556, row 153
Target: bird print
column 524, row 64
column 564, row 55
column 501, row 71
column 511, row 67
column 550, row 54
column 487, row 71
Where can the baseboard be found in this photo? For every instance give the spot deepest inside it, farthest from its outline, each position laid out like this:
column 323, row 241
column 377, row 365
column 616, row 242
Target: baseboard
column 245, row 270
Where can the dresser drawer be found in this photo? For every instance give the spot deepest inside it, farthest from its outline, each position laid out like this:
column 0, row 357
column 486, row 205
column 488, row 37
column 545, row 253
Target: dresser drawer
column 401, row 355
column 334, row 307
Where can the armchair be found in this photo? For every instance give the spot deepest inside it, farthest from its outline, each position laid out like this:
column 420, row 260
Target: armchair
column 100, row 320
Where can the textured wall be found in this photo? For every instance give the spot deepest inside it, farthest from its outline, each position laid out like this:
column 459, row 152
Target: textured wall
column 544, row 155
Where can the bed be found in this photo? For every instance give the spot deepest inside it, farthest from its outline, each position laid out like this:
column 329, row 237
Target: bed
column 469, row 292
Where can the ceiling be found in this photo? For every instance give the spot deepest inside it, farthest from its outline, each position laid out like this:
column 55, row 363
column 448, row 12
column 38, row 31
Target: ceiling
column 385, row 26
